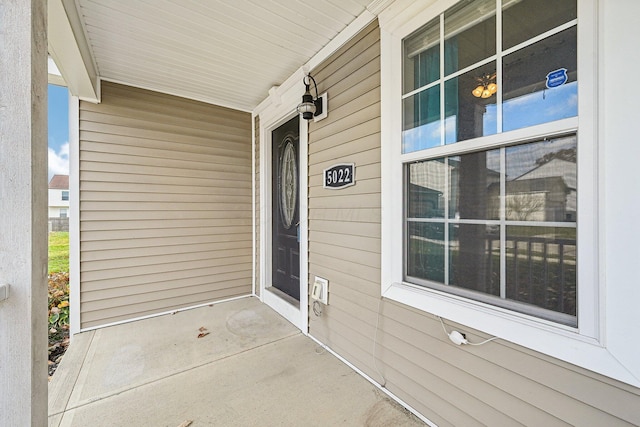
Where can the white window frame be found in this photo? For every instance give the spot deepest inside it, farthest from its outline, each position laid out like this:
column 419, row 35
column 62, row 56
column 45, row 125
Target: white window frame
column 590, row 345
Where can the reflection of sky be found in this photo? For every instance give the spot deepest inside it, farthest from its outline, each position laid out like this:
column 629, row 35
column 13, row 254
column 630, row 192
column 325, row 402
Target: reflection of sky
column 526, row 110
column 421, row 137
column 540, row 107
column 428, row 136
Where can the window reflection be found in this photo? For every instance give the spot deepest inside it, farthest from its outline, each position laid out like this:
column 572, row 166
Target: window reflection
column 464, row 212
column 474, row 254
column 422, row 57
column 525, row 19
column 426, row 251
column 474, row 186
column 541, row 181
column 541, row 267
column 421, row 120
column 468, row 116
column 426, row 183
column 530, row 98
column 466, row 44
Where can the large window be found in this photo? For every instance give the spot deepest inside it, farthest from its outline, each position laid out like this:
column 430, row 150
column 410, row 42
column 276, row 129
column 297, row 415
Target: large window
column 493, row 219
column 506, row 170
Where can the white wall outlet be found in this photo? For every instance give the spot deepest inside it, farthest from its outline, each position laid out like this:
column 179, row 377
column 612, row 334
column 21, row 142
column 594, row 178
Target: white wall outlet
column 320, row 290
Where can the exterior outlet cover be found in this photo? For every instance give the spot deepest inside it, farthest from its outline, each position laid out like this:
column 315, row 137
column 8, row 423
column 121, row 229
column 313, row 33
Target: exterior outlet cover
column 320, row 290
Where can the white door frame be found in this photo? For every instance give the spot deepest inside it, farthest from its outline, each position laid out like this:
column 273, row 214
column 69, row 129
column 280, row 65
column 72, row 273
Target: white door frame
column 280, row 108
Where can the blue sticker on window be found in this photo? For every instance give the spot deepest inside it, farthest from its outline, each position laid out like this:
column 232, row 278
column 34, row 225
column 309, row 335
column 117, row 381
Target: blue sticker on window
column 557, row 78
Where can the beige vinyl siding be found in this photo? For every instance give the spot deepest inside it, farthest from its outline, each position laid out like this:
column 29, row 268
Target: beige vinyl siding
column 165, row 204
column 495, row 384
column 256, row 186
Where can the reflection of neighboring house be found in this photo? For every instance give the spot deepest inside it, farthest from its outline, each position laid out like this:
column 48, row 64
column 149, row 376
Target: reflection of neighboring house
column 538, row 199
column 59, row 196
column 546, row 193
column 549, row 190
column 425, row 202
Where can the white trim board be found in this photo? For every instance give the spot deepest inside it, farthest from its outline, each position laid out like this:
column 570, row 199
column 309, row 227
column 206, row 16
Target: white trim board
column 270, row 119
column 74, row 214
column 163, row 313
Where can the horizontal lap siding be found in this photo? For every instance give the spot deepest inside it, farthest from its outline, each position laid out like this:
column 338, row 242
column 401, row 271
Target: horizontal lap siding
column 495, row 384
column 165, row 204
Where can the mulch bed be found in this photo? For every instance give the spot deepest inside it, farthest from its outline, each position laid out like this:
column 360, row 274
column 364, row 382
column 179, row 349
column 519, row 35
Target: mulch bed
column 58, row 317
column 58, row 343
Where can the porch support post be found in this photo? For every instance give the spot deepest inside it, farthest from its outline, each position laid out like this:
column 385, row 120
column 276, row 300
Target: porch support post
column 23, row 223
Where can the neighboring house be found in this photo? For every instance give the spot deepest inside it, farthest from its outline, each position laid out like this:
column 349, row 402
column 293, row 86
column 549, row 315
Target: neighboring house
column 198, row 182
column 59, row 196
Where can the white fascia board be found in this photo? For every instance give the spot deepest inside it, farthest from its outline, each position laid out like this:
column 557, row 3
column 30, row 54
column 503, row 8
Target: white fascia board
column 66, row 47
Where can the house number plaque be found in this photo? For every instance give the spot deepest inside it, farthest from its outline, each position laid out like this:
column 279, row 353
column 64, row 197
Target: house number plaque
column 339, row 176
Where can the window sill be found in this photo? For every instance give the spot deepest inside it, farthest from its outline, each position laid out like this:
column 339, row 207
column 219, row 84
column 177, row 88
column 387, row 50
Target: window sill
column 558, row 341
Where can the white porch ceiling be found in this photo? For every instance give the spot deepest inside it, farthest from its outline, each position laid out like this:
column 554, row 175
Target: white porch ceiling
column 224, row 52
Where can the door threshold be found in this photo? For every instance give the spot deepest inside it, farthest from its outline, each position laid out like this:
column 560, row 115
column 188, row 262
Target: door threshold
column 287, row 298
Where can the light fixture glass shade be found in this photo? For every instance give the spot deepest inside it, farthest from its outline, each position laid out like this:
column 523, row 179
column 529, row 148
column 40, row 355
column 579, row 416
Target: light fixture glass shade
column 486, row 93
column 477, row 92
column 307, row 107
column 493, row 88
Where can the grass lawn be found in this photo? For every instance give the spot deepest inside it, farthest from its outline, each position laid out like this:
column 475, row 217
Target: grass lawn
column 58, row 252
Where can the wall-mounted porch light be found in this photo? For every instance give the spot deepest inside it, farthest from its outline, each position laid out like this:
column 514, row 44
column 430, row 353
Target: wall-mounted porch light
column 311, row 107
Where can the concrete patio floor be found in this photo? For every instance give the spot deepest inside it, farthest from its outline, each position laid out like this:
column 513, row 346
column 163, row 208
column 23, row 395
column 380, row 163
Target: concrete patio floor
column 253, row 368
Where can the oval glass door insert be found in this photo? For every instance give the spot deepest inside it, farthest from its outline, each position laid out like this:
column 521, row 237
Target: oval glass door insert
column 288, row 184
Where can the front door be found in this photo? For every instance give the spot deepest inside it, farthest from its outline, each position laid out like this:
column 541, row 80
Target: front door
column 285, row 210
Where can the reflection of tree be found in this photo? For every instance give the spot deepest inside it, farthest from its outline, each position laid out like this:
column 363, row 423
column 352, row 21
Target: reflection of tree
column 566, row 154
column 521, row 207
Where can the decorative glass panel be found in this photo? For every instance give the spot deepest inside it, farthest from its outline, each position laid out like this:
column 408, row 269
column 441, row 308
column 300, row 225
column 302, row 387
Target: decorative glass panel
column 540, row 82
column 288, row 184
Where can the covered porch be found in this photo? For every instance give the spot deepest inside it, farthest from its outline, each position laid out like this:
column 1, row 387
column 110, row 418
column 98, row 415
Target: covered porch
column 232, row 363
column 176, row 193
